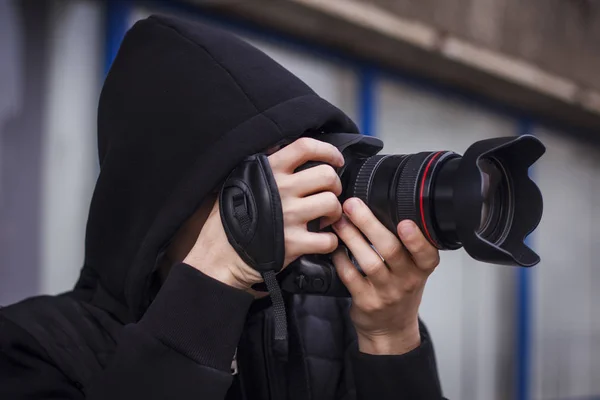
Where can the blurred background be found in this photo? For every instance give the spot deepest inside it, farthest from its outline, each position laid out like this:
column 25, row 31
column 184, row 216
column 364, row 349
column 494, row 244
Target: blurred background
column 421, row 75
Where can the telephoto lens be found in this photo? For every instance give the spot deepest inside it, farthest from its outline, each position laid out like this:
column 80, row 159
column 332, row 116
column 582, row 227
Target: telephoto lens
column 483, row 201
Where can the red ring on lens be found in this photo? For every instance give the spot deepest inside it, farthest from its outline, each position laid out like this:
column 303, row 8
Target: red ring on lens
column 421, row 198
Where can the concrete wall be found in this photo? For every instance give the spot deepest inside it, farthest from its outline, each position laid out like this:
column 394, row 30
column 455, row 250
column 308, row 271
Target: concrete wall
column 562, row 36
column 538, row 56
column 70, row 161
column 22, row 83
column 468, row 305
column 50, row 77
column 566, row 299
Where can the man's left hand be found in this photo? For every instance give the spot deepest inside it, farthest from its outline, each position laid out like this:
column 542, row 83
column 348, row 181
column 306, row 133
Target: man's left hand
column 385, row 302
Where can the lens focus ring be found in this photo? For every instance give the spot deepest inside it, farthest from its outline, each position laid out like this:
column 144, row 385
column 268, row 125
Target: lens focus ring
column 364, row 178
column 407, row 191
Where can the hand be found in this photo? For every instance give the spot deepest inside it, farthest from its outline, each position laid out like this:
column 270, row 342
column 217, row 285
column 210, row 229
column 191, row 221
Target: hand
column 385, row 302
column 305, row 195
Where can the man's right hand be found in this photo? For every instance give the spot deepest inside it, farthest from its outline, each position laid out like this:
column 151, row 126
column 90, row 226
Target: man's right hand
column 305, row 196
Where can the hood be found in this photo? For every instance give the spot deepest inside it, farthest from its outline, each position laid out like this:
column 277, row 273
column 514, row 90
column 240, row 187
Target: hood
column 182, row 105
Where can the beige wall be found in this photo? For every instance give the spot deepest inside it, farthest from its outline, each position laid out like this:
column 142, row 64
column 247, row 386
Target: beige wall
column 539, row 56
column 562, row 36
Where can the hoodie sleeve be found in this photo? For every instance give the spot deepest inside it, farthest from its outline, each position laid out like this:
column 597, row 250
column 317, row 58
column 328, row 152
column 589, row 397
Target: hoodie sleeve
column 411, row 376
column 181, row 349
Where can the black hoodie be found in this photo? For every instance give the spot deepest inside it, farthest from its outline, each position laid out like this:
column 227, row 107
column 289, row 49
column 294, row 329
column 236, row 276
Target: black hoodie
column 181, row 106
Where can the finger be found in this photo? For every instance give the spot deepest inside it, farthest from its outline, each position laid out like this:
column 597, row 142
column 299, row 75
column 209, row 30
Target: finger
column 303, row 150
column 349, row 275
column 426, row 257
column 368, row 259
column 304, row 242
column 384, row 241
column 313, row 180
column 303, row 210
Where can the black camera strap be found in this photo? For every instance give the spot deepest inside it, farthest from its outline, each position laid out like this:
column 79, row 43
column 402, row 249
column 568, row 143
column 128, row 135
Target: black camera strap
column 252, row 217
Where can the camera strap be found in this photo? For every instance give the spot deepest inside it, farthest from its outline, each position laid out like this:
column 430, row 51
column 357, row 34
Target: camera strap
column 252, row 217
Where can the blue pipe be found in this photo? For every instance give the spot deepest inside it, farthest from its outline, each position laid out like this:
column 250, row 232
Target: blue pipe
column 366, row 101
column 117, row 24
column 524, row 309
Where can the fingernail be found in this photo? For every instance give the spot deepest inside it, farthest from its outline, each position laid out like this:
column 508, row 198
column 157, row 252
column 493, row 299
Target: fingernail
column 352, row 204
column 341, row 160
column 407, row 228
column 340, row 223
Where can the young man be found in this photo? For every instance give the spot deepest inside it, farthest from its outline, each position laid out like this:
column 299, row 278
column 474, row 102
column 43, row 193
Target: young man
column 164, row 307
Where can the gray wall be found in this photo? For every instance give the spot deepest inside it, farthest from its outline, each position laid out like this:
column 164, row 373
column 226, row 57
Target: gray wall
column 467, row 305
column 50, row 76
column 566, row 301
column 22, row 84
column 562, row 36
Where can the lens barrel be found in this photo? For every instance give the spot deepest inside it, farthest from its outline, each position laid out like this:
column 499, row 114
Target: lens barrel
column 483, row 200
column 399, row 187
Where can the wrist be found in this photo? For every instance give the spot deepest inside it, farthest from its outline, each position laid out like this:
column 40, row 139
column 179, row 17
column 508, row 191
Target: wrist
column 389, row 343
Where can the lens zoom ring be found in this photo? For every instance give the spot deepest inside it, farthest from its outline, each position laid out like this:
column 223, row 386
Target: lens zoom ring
column 362, row 184
column 406, row 190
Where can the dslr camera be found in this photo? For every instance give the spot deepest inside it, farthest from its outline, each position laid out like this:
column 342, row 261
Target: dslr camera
column 483, row 201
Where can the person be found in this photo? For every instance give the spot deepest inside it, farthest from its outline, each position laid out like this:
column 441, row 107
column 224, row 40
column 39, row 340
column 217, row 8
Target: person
column 164, row 307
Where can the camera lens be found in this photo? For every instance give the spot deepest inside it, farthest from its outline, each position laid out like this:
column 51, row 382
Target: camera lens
column 421, row 187
column 497, row 202
column 399, row 187
column 483, row 201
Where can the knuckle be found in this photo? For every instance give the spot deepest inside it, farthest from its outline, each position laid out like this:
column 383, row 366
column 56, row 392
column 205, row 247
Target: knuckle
column 332, row 243
column 432, row 262
column 411, row 284
column 370, row 306
column 373, row 266
column 418, row 246
column 389, row 299
column 330, row 201
column 330, row 177
column 337, row 211
column 327, row 244
column 391, row 250
column 377, row 305
column 306, row 145
column 291, row 210
column 395, row 294
column 273, row 162
column 349, row 276
column 283, row 185
column 338, row 189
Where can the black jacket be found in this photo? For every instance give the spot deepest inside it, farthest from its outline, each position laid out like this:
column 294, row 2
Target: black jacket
column 181, row 106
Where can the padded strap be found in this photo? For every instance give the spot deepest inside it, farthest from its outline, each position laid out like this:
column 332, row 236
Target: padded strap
column 252, row 216
column 253, row 220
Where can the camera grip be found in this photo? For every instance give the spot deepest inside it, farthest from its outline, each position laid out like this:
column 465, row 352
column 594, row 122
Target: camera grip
column 313, row 274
